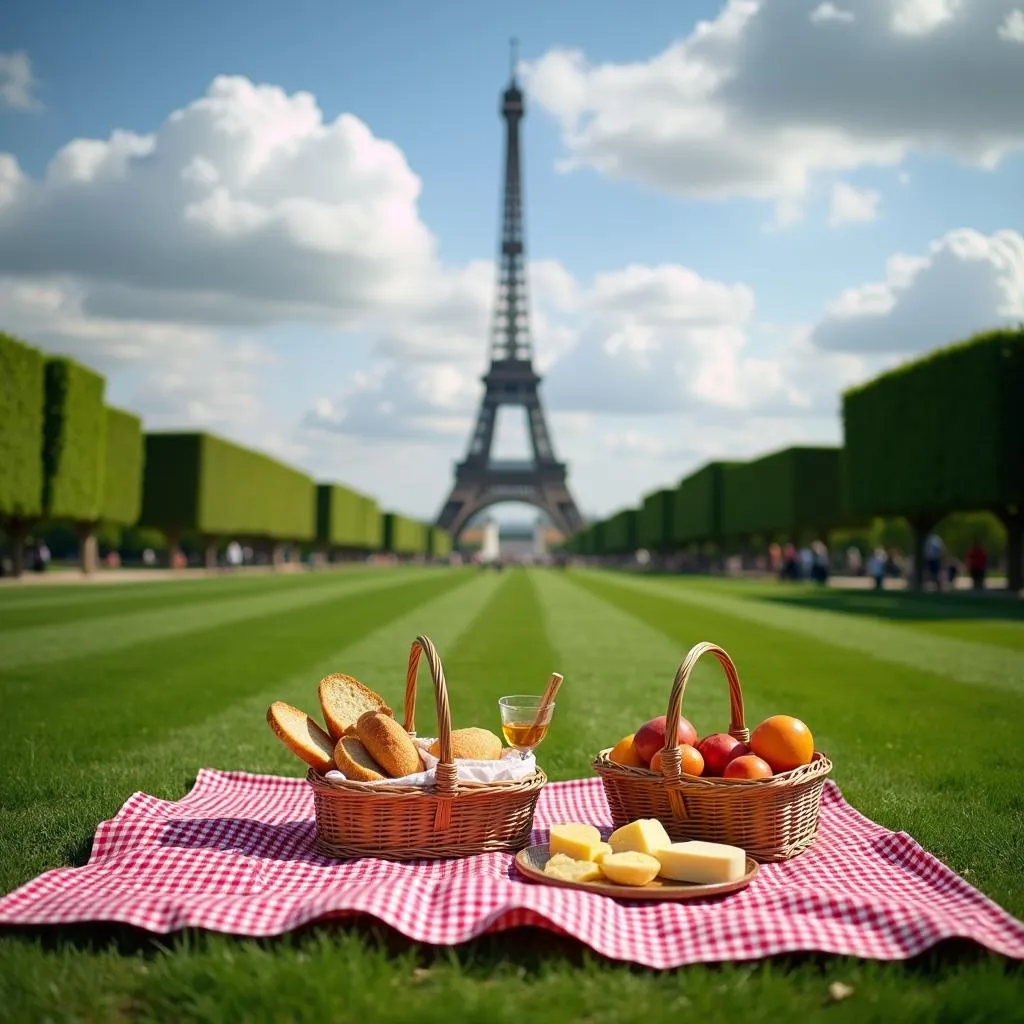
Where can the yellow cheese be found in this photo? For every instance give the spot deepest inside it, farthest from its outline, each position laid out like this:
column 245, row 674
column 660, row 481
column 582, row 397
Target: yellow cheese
column 580, row 842
column 569, row 870
column 630, row 868
column 645, row 835
column 704, row 863
column 603, row 850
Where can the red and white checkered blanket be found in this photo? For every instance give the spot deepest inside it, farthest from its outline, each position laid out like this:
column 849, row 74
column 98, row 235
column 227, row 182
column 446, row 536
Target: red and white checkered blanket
column 235, row 855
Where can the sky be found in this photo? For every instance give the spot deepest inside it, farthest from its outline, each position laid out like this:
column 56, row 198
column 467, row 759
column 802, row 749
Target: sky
column 278, row 223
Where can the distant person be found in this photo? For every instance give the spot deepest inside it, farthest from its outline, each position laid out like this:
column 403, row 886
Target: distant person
column 854, row 560
column 775, row 558
column 806, row 563
column 789, row 561
column 877, row 566
column 977, row 564
column 233, row 554
column 819, row 570
column 149, row 557
column 933, row 549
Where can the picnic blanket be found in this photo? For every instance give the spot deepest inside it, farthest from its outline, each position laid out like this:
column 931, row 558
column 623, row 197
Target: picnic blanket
column 236, row 855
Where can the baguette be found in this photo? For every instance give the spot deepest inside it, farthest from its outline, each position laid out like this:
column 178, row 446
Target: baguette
column 388, row 744
column 343, row 699
column 301, row 735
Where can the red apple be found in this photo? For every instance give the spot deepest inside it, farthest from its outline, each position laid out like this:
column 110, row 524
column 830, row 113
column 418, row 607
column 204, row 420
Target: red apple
column 718, row 750
column 650, row 737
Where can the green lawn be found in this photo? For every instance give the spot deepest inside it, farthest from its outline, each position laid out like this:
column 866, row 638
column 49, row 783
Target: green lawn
column 919, row 701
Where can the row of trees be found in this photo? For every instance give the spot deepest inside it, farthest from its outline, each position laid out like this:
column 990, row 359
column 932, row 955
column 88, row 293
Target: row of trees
column 939, row 435
column 66, row 457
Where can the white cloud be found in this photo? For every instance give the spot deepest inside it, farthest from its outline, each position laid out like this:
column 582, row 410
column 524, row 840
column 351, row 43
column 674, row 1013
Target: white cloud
column 852, row 205
column 967, row 282
column 1012, row 28
column 761, row 99
column 829, row 12
column 920, row 17
column 17, row 84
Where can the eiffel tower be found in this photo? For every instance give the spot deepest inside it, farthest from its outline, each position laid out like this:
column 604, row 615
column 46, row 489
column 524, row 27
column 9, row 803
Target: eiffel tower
column 481, row 481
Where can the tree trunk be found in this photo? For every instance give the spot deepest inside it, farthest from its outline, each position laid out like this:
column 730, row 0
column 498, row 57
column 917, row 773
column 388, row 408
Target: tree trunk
column 87, row 553
column 17, row 530
column 210, row 552
column 173, row 547
column 921, row 526
column 277, row 555
column 1014, row 523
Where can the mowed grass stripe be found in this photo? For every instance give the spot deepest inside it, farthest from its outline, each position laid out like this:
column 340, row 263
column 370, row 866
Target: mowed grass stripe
column 132, row 698
column 59, row 641
column 68, row 796
column 963, row 660
column 115, row 599
column 886, row 727
column 505, row 653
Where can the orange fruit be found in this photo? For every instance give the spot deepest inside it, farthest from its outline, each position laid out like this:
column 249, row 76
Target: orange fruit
column 747, row 766
column 784, row 742
column 625, row 754
column 690, row 757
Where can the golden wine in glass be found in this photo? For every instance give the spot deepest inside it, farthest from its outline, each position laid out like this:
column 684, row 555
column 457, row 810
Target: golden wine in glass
column 525, row 721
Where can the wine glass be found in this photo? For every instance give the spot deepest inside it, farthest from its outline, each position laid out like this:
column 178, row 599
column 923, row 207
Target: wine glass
column 525, row 721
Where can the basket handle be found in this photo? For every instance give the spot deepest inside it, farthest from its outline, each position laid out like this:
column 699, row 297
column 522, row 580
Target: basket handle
column 670, row 760
column 446, row 773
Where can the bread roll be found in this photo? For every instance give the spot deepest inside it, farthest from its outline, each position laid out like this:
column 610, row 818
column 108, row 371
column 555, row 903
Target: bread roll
column 301, row 735
column 343, row 699
column 388, row 744
column 472, row 745
column 353, row 759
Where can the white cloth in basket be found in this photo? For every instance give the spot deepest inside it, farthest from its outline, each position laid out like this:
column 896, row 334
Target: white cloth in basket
column 508, row 768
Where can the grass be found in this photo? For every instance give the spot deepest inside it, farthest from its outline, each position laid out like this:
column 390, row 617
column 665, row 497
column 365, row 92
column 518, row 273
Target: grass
column 919, row 702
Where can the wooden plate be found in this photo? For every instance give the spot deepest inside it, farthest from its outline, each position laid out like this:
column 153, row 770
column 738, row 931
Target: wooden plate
column 530, row 862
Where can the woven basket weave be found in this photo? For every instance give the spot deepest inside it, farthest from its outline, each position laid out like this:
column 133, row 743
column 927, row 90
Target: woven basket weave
column 449, row 819
column 772, row 819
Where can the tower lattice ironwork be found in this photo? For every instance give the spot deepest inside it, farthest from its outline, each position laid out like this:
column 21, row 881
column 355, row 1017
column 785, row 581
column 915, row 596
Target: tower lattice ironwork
column 480, row 480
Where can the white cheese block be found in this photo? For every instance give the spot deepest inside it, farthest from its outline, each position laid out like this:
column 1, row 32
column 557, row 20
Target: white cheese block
column 702, row 863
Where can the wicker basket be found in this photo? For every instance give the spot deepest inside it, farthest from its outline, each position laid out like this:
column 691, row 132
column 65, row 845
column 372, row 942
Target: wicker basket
column 772, row 819
column 449, row 819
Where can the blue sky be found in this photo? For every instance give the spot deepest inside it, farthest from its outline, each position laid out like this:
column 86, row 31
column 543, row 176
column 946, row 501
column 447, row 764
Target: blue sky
column 318, row 387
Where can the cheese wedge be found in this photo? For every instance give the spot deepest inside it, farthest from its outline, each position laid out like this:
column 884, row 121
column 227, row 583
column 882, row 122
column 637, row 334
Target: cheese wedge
column 645, row 835
column 568, row 870
column 629, row 868
column 579, row 842
column 701, row 862
column 602, row 851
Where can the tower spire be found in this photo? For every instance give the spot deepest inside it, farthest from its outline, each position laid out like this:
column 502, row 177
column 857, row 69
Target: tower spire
column 480, row 480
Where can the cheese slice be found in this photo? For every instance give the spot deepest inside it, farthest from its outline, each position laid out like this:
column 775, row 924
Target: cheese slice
column 645, row 835
column 701, row 862
column 569, row 870
column 579, row 842
column 630, row 868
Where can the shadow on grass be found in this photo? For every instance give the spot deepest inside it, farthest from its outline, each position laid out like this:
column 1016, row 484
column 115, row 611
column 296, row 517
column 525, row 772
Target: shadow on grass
column 901, row 606
column 528, row 950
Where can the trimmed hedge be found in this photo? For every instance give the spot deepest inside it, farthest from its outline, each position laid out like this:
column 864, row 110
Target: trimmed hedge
column 620, row 533
column 372, row 524
column 74, row 442
column 655, row 522
column 404, row 536
column 698, row 505
column 343, row 518
column 200, row 482
column 784, row 492
column 21, row 428
column 123, row 469
column 439, row 542
column 939, row 434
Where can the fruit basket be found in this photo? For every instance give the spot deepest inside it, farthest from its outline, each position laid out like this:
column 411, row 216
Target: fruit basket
column 451, row 818
column 773, row 819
